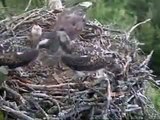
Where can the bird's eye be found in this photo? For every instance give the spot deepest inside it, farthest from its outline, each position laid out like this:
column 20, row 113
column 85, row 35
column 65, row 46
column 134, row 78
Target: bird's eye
column 73, row 23
column 61, row 29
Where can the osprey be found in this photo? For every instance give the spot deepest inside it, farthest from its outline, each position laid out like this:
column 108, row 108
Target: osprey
column 87, row 57
column 15, row 60
column 14, row 44
column 18, row 59
column 15, row 52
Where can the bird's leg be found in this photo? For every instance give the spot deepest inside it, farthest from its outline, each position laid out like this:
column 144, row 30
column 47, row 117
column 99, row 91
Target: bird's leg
column 21, row 72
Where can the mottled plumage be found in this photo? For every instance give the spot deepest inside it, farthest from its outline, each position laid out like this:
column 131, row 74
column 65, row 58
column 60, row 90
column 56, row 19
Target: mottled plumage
column 14, row 44
column 85, row 63
column 15, row 52
column 8, row 47
column 82, row 48
column 17, row 59
column 85, row 56
column 21, row 43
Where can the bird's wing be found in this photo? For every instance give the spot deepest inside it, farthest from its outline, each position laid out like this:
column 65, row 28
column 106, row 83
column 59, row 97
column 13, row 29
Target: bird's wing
column 85, row 63
column 17, row 59
column 81, row 48
column 13, row 45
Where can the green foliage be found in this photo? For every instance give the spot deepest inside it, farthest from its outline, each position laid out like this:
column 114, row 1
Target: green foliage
column 3, row 74
column 148, row 33
column 139, row 8
column 1, row 115
column 20, row 5
column 155, row 13
column 114, row 12
column 147, row 37
column 15, row 7
column 153, row 93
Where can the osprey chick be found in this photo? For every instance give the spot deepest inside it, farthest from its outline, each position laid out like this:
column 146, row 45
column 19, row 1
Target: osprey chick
column 86, row 57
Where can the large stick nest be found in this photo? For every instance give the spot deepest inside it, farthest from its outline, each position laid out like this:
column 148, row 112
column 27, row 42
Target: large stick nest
column 50, row 93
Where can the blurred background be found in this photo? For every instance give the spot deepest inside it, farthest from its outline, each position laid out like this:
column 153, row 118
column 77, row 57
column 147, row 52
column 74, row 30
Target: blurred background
column 120, row 13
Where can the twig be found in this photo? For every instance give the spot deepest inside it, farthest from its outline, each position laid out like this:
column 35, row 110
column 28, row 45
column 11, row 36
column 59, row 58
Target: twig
column 54, row 86
column 40, row 108
column 135, row 26
column 48, row 97
column 69, row 113
column 92, row 113
column 28, row 5
column 146, row 61
column 22, row 21
column 15, row 94
column 16, row 113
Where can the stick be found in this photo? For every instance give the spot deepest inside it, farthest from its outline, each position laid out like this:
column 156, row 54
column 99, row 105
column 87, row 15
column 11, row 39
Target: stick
column 134, row 27
column 18, row 114
column 28, row 5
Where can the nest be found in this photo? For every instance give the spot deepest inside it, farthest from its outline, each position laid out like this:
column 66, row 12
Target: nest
column 52, row 94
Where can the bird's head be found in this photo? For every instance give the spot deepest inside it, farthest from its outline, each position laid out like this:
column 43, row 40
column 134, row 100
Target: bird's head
column 36, row 31
column 71, row 23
